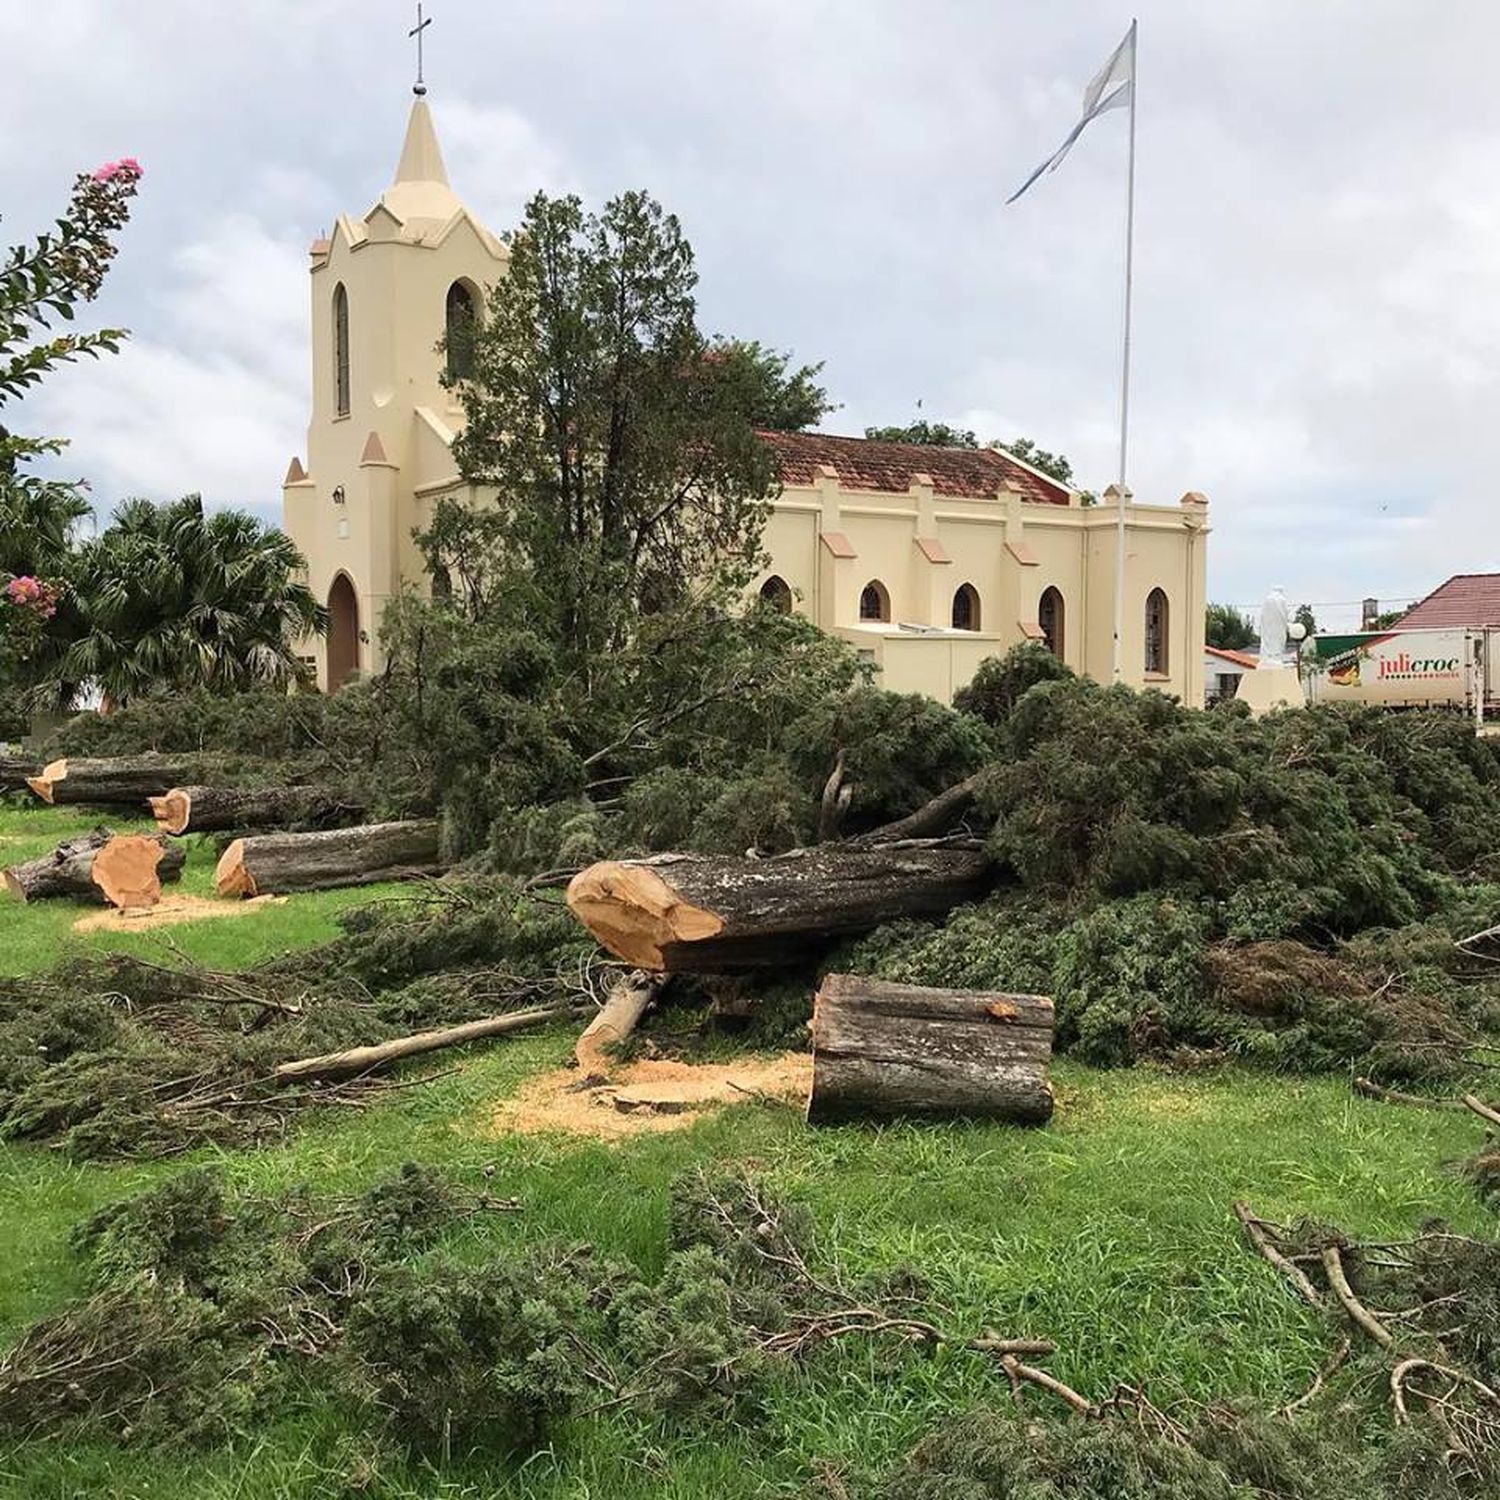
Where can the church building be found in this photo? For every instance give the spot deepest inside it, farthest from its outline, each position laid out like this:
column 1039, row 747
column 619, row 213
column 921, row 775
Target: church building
column 928, row 560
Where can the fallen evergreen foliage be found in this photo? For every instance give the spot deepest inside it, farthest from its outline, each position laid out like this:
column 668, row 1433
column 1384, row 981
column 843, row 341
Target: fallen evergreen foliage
column 121, row 1057
column 205, row 1306
column 1288, row 890
column 1225, row 1454
column 206, row 1309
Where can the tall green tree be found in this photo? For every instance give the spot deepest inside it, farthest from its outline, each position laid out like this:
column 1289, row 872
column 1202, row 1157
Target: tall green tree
column 169, row 597
column 1227, row 628
column 621, row 441
column 764, row 383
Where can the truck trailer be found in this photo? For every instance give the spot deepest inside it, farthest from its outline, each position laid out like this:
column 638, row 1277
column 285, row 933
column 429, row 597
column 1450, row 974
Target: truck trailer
column 1434, row 668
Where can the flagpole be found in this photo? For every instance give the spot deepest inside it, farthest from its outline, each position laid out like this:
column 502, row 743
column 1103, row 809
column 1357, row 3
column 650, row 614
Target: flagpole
column 1119, row 662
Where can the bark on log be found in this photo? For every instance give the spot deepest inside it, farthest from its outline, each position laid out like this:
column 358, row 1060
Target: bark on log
column 334, row 857
column 16, row 771
column 121, row 781
column 211, row 809
column 125, row 870
column 363, row 1059
column 883, row 1050
column 615, row 1021
column 681, row 912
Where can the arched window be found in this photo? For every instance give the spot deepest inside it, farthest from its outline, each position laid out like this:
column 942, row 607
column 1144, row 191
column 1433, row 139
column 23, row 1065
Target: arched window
column 1156, row 632
column 776, row 592
column 874, row 602
column 458, row 327
column 1049, row 615
column 340, row 351
column 966, row 608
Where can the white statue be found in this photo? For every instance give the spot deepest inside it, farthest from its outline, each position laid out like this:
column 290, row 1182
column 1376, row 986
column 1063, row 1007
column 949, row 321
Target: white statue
column 1275, row 620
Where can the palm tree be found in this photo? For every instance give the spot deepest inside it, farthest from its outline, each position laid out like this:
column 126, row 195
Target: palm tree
column 37, row 521
column 169, row 598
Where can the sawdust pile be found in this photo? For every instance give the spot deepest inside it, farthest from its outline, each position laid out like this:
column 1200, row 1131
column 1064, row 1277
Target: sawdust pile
column 649, row 1095
column 171, row 911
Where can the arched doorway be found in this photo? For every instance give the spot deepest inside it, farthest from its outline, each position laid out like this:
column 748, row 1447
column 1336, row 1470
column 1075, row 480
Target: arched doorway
column 874, row 601
column 343, row 633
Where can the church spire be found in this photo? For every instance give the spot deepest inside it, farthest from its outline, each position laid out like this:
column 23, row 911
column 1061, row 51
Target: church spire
column 419, row 197
column 421, row 156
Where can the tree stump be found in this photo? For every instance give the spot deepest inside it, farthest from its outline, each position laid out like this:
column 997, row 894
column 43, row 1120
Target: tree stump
column 708, row 914
column 884, row 1051
column 332, row 857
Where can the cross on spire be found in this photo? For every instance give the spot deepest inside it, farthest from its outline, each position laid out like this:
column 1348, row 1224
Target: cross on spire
column 419, row 87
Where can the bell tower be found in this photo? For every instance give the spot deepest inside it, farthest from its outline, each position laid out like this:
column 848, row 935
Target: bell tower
column 386, row 288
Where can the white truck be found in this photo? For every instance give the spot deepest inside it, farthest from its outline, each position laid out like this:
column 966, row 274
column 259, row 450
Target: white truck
column 1458, row 668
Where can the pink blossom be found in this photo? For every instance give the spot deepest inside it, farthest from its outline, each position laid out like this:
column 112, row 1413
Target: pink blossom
column 127, row 167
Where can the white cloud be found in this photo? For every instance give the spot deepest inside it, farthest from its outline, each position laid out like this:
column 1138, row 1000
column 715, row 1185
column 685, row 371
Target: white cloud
column 211, row 394
column 1318, row 290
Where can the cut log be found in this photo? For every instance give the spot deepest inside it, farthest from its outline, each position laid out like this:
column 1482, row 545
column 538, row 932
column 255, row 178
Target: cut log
column 883, row 1050
column 125, row 870
column 364, row 1059
column 122, row 781
column 16, row 771
column 681, row 912
column 211, row 809
column 615, row 1021
column 319, row 861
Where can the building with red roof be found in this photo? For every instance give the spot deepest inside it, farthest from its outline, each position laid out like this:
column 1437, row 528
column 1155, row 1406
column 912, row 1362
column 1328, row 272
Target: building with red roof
column 1467, row 600
column 931, row 559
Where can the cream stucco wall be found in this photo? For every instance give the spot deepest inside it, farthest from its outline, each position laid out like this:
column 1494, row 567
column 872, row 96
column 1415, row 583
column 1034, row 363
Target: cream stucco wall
column 827, row 543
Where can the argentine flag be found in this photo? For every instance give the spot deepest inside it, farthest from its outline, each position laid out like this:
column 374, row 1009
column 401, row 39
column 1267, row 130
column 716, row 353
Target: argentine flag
column 1113, row 87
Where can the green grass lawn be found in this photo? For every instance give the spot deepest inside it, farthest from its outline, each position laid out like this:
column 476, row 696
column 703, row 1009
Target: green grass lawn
column 40, row 934
column 1109, row 1231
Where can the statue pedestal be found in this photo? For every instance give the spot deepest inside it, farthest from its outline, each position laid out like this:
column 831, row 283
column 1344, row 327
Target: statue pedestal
column 1271, row 687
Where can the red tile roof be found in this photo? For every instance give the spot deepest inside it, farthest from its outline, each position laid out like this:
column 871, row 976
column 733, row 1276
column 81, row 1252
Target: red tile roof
column 865, row 464
column 1466, row 599
column 1239, row 658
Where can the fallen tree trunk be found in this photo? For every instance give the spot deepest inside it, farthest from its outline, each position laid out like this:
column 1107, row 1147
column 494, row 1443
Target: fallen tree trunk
column 122, row 781
column 883, row 1050
column 125, row 870
column 333, row 857
column 211, row 809
column 683, row 912
column 615, row 1021
column 364, row 1059
column 15, row 772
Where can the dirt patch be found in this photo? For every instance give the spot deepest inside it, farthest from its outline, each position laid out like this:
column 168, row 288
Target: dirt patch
column 172, row 910
column 647, row 1096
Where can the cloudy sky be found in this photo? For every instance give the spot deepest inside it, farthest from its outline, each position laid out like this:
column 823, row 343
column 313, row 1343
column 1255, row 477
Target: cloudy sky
column 1318, row 229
